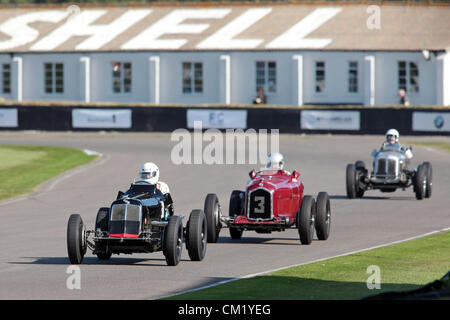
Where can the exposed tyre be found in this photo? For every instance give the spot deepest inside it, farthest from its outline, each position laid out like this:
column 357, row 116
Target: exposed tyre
column 236, row 233
column 102, row 220
column 196, row 235
column 351, row 181
column 421, row 182
column 235, row 208
column 173, row 240
column 360, row 193
column 212, row 212
column 102, row 223
column 322, row 220
column 360, row 167
column 305, row 220
column 76, row 239
column 429, row 174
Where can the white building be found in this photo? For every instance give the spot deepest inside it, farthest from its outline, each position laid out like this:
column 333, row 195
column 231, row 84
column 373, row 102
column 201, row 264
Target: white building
column 299, row 54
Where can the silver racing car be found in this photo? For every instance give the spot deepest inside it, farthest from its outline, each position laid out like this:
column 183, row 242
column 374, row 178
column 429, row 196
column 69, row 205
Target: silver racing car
column 391, row 171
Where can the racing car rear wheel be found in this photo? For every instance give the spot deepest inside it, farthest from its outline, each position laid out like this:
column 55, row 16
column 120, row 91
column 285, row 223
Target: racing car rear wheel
column 323, row 216
column 305, row 220
column 196, row 235
column 421, row 182
column 429, row 179
column 360, row 165
column 351, row 181
column 173, row 240
column 212, row 212
column 76, row 239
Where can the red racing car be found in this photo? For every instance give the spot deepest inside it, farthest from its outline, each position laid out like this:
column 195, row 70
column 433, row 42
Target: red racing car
column 274, row 200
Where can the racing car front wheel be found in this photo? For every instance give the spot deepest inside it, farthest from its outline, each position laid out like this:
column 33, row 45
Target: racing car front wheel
column 429, row 174
column 360, row 170
column 196, row 235
column 421, row 182
column 351, row 181
column 323, row 216
column 212, row 212
column 305, row 219
column 173, row 240
column 76, row 239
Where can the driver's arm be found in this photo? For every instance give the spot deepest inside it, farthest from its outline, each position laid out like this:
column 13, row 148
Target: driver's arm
column 163, row 187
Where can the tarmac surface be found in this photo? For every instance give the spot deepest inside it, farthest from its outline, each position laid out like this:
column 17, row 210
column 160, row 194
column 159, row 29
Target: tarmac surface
column 34, row 262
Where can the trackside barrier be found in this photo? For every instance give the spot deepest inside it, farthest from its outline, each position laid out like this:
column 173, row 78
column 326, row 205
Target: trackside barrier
column 333, row 119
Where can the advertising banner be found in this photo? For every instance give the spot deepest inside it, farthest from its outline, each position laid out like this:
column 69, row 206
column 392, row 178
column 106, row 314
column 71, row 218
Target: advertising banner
column 329, row 120
column 8, row 118
column 101, row 118
column 216, row 118
column 431, row 121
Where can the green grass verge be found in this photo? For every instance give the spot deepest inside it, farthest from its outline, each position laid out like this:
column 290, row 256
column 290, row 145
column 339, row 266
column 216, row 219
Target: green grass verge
column 445, row 146
column 23, row 168
column 404, row 266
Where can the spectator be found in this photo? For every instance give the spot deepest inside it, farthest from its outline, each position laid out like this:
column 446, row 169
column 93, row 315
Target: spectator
column 403, row 98
column 260, row 98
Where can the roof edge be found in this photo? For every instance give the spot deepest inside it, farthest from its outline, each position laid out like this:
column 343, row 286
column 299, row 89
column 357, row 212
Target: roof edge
column 200, row 4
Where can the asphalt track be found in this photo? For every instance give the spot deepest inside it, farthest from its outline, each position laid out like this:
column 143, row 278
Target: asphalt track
column 33, row 259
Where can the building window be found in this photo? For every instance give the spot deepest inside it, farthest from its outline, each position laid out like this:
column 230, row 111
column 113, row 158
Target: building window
column 6, row 78
column 192, row 77
column 266, row 76
column 353, row 76
column 54, row 77
column 121, row 77
column 408, row 76
column 320, row 76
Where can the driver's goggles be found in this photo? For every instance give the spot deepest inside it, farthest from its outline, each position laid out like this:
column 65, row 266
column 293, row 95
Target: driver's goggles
column 148, row 175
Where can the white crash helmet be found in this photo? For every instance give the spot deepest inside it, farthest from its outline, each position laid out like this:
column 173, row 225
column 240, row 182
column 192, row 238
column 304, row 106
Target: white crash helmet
column 149, row 172
column 392, row 132
column 275, row 160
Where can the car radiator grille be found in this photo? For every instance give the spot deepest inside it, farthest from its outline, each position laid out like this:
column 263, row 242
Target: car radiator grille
column 381, row 167
column 387, row 167
column 392, row 165
column 260, row 204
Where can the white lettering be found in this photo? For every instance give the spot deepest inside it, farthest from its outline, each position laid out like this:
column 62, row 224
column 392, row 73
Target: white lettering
column 181, row 152
column 19, row 31
column 295, row 36
column 74, row 280
column 374, row 281
column 99, row 35
column 374, row 20
column 223, row 39
column 172, row 24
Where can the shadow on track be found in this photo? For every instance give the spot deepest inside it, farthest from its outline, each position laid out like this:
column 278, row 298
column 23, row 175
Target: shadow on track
column 95, row 261
column 341, row 197
column 265, row 241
